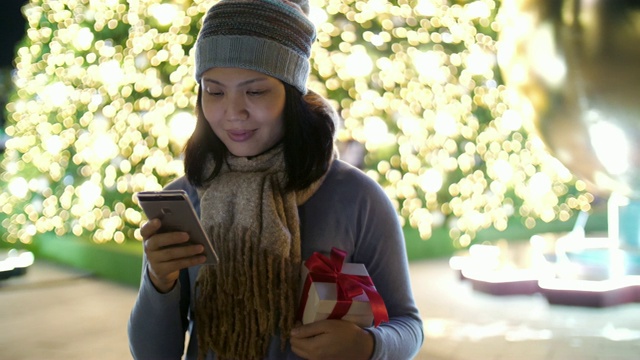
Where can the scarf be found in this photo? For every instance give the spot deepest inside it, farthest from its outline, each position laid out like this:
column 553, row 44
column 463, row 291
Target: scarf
column 252, row 292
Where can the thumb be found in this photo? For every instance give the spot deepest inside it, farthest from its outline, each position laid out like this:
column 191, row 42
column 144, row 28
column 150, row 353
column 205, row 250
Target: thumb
column 309, row 330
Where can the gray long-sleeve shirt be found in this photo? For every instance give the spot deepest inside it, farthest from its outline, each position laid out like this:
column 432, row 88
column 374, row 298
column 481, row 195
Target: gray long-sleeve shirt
column 349, row 211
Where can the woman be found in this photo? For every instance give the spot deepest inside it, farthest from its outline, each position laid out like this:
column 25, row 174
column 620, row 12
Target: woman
column 261, row 171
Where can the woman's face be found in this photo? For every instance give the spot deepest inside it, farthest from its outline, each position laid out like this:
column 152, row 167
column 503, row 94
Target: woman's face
column 244, row 109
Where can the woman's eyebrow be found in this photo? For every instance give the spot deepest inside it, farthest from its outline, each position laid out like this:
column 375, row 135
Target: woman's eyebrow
column 242, row 83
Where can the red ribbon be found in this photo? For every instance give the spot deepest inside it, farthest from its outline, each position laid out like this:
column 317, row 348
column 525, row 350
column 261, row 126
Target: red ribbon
column 329, row 270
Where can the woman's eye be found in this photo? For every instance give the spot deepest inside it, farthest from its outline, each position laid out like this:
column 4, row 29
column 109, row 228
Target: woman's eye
column 214, row 92
column 256, row 92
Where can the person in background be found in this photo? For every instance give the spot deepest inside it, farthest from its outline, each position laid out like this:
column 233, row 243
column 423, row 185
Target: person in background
column 261, row 171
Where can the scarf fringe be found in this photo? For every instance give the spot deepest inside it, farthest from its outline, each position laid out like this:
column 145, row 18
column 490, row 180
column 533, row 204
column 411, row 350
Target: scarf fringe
column 238, row 297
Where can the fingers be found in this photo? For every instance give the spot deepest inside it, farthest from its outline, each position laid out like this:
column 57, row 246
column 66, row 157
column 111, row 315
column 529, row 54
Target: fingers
column 164, row 264
column 168, row 253
column 172, row 248
column 306, row 340
column 331, row 339
column 151, row 227
column 150, row 230
column 165, row 241
column 309, row 330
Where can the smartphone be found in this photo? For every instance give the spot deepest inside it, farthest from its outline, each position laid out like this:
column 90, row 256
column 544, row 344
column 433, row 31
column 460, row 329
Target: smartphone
column 175, row 211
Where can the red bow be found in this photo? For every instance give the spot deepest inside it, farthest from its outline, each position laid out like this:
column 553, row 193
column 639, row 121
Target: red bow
column 329, row 270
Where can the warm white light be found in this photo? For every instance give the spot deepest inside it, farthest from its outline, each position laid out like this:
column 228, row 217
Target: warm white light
column 497, row 277
column 22, row 259
column 359, row 63
column 539, row 184
column 428, row 64
column 96, row 99
column 16, row 259
column 611, row 147
column 164, row 13
column 478, row 10
column 111, row 73
column 511, row 120
column 181, row 126
column 83, row 39
column 445, row 124
column 431, row 181
column 55, row 94
column 104, row 148
column 19, row 187
column 503, row 170
column 426, row 8
column 377, row 40
column 479, row 60
column 550, row 68
column 619, row 334
column 53, row 145
column 376, row 133
column 39, row 184
column 412, row 126
column 378, row 6
column 590, row 285
column 317, row 15
column 89, row 193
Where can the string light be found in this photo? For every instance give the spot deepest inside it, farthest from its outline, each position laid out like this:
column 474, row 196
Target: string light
column 105, row 95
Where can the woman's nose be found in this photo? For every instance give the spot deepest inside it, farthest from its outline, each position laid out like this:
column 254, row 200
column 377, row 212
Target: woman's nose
column 237, row 108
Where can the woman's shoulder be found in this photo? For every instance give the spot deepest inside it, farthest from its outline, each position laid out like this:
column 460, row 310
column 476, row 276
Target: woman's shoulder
column 182, row 183
column 347, row 179
column 344, row 171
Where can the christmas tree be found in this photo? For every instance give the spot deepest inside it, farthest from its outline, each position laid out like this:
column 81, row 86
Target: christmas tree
column 104, row 97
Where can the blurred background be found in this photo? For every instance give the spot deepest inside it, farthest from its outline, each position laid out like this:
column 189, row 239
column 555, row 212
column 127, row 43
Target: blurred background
column 102, row 97
column 503, row 131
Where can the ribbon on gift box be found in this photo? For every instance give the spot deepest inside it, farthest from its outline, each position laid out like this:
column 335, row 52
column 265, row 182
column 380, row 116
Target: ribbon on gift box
column 329, row 270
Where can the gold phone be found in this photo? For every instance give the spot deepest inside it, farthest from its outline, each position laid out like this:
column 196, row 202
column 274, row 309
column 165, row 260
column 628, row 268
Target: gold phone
column 175, row 211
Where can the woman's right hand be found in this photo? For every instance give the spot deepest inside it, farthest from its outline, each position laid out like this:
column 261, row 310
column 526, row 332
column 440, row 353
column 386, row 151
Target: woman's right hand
column 168, row 253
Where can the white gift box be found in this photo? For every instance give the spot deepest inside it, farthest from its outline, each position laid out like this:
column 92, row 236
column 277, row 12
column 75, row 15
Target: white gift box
column 322, row 299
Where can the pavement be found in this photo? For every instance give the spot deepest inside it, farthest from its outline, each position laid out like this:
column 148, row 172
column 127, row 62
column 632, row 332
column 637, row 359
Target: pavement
column 54, row 312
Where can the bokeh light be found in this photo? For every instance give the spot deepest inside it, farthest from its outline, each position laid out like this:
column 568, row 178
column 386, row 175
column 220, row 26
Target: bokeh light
column 105, row 95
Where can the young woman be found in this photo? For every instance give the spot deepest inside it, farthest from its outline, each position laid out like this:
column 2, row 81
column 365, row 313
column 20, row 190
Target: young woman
column 262, row 173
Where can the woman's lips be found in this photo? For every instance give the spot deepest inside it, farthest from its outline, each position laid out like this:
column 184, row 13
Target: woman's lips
column 240, row 135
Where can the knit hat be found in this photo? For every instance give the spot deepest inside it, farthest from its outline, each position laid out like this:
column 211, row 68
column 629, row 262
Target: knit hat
column 273, row 37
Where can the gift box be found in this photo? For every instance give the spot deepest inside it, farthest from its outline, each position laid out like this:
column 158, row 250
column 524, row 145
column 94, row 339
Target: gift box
column 332, row 289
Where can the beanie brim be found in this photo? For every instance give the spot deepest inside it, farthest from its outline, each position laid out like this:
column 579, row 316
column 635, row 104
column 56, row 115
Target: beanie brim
column 252, row 53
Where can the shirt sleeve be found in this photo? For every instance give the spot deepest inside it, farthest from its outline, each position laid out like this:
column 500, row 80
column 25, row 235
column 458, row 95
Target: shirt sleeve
column 358, row 217
column 157, row 322
column 381, row 247
column 382, row 250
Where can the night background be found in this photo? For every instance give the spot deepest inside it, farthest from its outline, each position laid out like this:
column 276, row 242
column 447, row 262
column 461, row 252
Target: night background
column 12, row 28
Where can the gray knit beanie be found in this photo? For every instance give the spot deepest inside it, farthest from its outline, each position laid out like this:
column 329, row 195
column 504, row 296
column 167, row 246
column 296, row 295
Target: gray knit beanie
column 273, row 37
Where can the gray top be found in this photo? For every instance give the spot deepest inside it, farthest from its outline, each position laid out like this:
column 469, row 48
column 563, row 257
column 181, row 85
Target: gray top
column 349, row 211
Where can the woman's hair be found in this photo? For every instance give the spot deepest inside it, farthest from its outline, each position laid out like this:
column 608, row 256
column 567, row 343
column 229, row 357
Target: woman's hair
column 309, row 122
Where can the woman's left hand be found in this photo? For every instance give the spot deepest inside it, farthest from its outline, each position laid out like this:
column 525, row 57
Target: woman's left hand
column 332, row 339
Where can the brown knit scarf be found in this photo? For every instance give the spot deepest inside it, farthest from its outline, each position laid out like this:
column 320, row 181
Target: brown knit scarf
column 252, row 292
